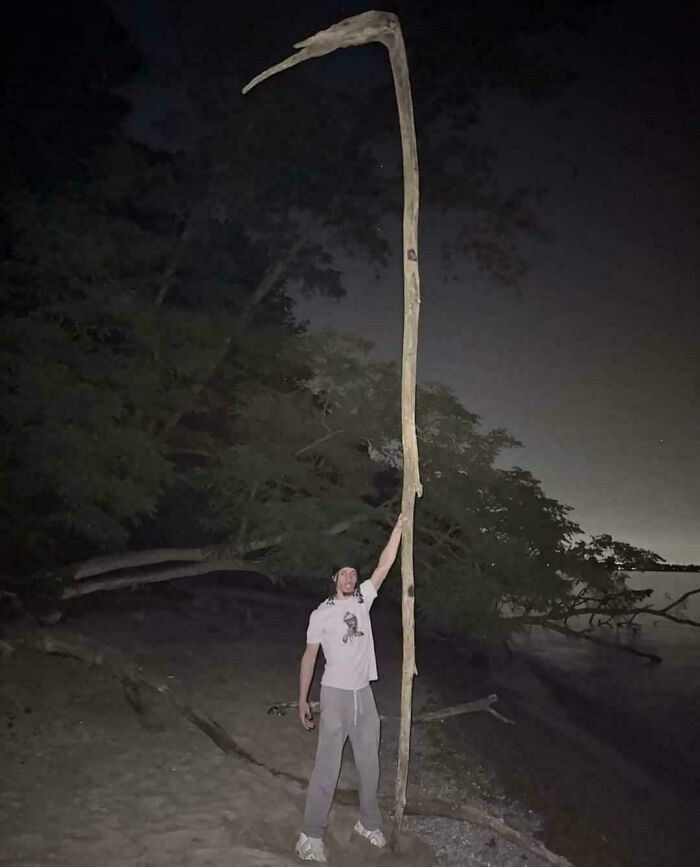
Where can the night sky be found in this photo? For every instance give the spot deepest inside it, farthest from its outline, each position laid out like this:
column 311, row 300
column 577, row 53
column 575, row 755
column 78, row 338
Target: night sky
column 592, row 360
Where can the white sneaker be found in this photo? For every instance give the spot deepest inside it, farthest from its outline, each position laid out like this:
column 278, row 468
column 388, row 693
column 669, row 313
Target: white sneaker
column 376, row 837
column 310, row 849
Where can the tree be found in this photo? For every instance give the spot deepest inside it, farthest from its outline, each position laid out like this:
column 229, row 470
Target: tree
column 63, row 67
column 123, row 347
column 126, row 407
column 137, row 387
column 93, row 365
column 311, row 468
column 327, row 179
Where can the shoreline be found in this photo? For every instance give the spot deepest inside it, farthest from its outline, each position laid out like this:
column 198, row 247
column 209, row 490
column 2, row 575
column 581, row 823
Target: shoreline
column 79, row 751
column 600, row 806
column 88, row 781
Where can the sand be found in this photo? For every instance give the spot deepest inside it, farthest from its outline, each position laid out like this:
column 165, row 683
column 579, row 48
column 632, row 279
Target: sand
column 85, row 783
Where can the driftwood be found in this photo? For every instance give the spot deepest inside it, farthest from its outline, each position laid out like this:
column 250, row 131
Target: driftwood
column 114, row 565
column 581, row 635
column 134, row 678
column 481, row 704
column 138, row 577
column 384, row 28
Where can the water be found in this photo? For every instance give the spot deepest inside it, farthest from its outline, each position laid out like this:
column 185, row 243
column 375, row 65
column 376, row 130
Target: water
column 607, row 746
column 659, row 704
column 678, row 644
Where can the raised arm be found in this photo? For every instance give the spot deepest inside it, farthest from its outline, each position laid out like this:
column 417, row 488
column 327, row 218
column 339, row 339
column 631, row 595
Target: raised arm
column 388, row 555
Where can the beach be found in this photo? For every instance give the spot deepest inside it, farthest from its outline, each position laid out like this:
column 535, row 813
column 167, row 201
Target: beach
column 87, row 780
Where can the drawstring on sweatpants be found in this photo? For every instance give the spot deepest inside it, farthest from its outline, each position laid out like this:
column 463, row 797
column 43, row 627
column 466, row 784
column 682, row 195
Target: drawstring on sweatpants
column 355, row 706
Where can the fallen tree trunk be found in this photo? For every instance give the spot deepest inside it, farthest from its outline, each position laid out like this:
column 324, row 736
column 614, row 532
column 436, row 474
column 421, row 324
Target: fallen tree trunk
column 653, row 658
column 133, row 678
column 481, row 704
column 134, row 559
column 116, row 563
column 135, row 578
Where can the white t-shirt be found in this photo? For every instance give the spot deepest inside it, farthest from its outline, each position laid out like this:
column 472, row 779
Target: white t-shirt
column 344, row 631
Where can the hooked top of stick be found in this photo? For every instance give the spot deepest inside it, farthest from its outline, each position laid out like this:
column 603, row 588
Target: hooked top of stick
column 357, row 30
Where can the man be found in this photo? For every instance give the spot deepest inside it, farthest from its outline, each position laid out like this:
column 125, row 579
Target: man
column 341, row 625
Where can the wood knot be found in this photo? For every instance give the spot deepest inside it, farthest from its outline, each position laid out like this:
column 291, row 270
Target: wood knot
column 411, row 255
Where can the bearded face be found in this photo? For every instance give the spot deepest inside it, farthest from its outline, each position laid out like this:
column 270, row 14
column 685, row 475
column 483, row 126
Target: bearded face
column 345, row 582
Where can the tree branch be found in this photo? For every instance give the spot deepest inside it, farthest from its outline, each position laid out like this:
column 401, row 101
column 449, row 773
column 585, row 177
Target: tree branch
column 133, row 579
column 600, row 614
column 197, row 389
column 685, row 621
column 482, row 704
column 174, row 261
column 130, row 559
column 206, row 560
column 271, row 277
column 269, row 280
column 585, row 636
column 317, row 442
column 663, row 612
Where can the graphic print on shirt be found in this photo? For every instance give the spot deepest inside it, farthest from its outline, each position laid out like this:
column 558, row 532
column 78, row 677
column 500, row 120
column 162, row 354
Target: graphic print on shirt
column 352, row 632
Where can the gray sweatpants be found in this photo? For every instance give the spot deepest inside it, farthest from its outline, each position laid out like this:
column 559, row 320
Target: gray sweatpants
column 344, row 714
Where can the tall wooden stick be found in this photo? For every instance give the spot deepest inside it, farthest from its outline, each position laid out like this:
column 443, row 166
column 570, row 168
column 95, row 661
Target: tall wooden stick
column 384, row 27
